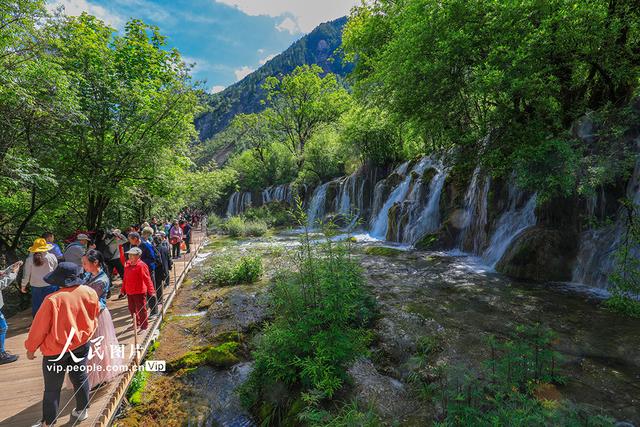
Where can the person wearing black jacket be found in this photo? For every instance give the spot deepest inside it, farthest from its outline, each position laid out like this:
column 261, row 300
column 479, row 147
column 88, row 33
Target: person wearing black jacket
column 167, row 263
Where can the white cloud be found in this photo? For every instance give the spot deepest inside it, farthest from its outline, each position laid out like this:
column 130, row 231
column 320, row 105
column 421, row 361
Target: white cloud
column 76, row 7
column 288, row 24
column 306, row 14
column 260, row 51
column 267, row 59
column 242, row 72
column 216, row 89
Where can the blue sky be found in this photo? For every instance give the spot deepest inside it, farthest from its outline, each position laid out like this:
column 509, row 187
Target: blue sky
column 226, row 39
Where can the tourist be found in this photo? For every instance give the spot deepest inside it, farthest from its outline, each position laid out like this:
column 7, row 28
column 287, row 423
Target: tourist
column 50, row 238
column 7, row 277
column 154, row 224
column 175, row 238
column 167, row 227
column 102, row 370
column 39, row 263
column 137, row 285
column 111, row 253
column 162, row 279
column 186, row 230
column 150, row 257
column 76, row 250
column 62, row 330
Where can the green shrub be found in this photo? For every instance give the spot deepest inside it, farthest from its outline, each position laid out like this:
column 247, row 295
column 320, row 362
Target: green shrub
column 234, row 226
column 507, row 389
column 228, row 272
column 321, row 313
column 255, row 228
column 136, row 387
column 239, row 226
column 275, row 214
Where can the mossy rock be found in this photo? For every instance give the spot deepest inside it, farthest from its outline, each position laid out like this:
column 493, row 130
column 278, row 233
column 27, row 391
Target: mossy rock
column 382, row 251
column 228, row 337
column 220, row 356
column 426, row 242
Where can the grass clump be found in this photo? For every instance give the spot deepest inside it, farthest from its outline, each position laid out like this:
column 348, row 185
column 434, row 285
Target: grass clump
column 218, row 356
column 136, row 387
column 382, row 251
column 228, row 272
column 321, row 314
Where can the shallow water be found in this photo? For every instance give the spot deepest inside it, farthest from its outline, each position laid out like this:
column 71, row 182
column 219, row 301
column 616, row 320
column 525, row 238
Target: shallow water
column 455, row 294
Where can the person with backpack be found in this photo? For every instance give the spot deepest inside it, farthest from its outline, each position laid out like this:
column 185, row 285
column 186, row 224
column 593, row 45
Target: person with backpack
column 7, row 277
column 111, row 252
column 76, row 250
column 162, row 279
column 186, row 230
column 38, row 264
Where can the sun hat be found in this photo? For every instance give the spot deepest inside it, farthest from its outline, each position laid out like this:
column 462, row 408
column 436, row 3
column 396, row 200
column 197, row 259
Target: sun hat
column 40, row 245
column 161, row 233
column 83, row 236
column 134, row 251
column 66, row 274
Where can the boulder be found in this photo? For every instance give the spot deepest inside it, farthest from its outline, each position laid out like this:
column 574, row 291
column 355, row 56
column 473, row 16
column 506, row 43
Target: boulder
column 540, row 254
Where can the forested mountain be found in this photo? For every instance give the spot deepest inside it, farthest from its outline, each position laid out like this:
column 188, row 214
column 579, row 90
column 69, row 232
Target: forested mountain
column 318, row 47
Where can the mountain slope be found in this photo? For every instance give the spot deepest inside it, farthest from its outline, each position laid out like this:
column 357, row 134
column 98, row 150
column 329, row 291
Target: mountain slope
column 317, row 47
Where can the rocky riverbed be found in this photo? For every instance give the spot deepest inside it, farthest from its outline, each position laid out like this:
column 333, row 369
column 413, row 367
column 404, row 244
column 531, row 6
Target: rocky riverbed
column 453, row 301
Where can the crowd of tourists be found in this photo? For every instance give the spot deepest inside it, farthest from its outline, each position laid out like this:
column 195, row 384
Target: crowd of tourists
column 72, row 326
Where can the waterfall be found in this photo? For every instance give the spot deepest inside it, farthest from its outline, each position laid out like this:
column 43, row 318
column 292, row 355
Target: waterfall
column 279, row 193
column 511, row 223
column 317, row 205
column 239, row 202
column 428, row 219
column 474, row 217
column 597, row 249
column 381, row 222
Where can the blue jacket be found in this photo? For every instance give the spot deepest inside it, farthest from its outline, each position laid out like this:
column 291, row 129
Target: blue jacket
column 148, row 253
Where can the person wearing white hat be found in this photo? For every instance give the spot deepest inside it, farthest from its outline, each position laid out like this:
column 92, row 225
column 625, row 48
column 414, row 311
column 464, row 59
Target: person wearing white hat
column 137, row 286
column 76, row 250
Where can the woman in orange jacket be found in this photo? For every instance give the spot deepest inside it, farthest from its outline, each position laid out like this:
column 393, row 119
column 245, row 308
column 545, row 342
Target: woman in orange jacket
column 137, row 285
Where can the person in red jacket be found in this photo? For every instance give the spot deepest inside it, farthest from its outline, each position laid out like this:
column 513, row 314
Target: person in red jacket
column 136, row 285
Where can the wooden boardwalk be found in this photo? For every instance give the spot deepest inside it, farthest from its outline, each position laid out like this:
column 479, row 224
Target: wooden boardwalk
column 21, row 382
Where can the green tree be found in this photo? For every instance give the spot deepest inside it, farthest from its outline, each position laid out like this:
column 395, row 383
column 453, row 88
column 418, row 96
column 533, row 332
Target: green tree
column 301, row 103
column 137, row 107
column 520, row 72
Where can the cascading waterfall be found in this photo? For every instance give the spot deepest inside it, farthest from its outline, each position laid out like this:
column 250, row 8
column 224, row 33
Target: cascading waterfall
column 279, row 193
column 509, row 226
column 317, row 205
column 597, row 249
column 380, row 223
column 474, row 218
column 428, row 219
column 239, row 202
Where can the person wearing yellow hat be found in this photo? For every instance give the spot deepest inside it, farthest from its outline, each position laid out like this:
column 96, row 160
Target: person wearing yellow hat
column 38, row 264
